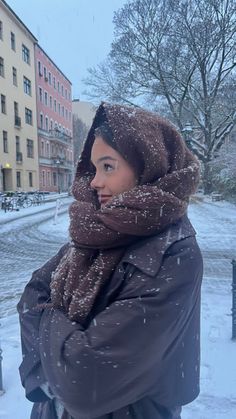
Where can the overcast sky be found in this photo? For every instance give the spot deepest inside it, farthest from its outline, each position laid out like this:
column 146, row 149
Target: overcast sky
column 76, row 34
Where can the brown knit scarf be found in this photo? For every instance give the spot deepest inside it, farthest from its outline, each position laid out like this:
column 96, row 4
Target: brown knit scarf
column 100, row 236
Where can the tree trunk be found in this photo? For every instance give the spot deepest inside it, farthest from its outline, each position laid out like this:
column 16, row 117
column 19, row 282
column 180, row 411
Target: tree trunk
column 207, row 178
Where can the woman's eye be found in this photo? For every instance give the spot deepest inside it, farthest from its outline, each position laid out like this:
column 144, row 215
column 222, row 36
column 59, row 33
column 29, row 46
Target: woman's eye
column 107, row 167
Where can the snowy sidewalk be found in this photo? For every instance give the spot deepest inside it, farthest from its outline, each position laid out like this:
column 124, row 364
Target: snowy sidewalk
column 47, row 203
column 215, row 224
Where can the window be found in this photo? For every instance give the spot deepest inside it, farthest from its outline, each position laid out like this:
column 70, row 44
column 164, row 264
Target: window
column 69, row 116
column 30, row 148
column 17, row 144
column 16, row 109
column 51, row 124
column 45, row 73
column 46, row 98
column 46, row 123
column 66, row 114
column 66, row 93
column 40, row 69
column 59, row 109
column 43, row 177
column 27, row 86
column 14, row 76
column 54, row 178
column 58, row 86
column 25, row 54
column 3, row 104
column 62, row 111
column 41, row 121
column 49, row 78
column 48, row 178
column 1, row 30
column 16, row 115
column 42, row 148
column 1, row 66
column 28, row 116
column 5, row 141
column 54, row 82
column 55, row 105
column 40, row 94
column 50, row 101
column 18, row 179
column 30, row 179
column 13, row 41
column 62, row 90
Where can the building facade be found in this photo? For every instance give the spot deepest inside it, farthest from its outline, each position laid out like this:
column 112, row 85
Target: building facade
column 54, row 120
column 18, row 116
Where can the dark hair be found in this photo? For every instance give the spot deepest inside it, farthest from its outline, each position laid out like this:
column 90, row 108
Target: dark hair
column 106, row 133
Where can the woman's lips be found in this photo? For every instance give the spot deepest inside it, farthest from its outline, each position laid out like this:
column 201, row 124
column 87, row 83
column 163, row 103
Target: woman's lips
column 104, row 198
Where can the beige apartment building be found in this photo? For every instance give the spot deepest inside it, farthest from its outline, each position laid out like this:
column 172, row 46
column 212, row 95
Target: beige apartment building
column 18, row 116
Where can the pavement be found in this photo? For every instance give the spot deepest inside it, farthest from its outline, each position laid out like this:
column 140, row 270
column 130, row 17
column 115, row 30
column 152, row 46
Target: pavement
column 49, row 202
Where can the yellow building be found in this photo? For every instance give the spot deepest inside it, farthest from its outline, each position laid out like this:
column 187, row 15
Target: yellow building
column 18, row 117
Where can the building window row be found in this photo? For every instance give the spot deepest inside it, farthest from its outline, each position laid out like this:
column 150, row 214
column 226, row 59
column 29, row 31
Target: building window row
column 19, row 182
column 50, row 150
column 29, row 145
column 26, row 81
column 48, row 178
column 53, row 104
column 17, row 119
column 43, row 72
column 44, row 124
column 25, row 50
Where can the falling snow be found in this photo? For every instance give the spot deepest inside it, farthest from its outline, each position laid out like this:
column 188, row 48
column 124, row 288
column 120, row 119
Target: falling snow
column 216, row 227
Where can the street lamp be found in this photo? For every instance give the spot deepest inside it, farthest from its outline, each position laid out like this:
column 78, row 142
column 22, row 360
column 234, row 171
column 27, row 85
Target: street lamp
column 187, row 131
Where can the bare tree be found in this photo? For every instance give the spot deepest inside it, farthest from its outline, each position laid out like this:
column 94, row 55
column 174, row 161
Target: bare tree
column 80, row 131
column 182, row 52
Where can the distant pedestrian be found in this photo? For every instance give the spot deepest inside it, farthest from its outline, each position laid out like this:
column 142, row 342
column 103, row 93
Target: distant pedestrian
column 110, row 325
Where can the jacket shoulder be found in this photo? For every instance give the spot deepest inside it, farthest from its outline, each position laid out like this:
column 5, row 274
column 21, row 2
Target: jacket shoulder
column 147, row 254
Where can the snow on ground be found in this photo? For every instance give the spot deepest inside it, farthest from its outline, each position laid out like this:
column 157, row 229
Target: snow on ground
column 215, row 224
column 48, row 203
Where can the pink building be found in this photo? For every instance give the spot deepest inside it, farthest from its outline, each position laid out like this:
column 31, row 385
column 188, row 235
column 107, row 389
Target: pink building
column 54, row 120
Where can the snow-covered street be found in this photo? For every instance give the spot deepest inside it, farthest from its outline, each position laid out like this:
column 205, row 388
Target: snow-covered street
column 27, row 243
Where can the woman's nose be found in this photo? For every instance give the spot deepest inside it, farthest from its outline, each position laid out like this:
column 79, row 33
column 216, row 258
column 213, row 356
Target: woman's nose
column 96, row 182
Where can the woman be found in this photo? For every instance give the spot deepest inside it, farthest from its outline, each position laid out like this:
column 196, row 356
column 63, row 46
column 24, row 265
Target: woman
column 110, row 325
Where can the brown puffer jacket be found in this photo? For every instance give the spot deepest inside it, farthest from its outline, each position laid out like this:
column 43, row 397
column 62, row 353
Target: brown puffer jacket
column 139, row 356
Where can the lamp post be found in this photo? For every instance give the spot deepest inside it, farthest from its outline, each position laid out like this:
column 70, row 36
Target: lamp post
column 187, row 131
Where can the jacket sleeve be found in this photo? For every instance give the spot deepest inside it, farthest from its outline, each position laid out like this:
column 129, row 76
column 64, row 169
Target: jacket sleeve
column 37, row 291
column 120, row 357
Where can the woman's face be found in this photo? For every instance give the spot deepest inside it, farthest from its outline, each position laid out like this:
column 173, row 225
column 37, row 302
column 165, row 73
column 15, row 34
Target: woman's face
column 113, row 174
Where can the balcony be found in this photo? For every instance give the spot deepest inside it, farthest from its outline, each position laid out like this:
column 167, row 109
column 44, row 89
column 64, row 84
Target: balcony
column 19, row 157
column 56, row 134
column 17, row 121
column 58, row 161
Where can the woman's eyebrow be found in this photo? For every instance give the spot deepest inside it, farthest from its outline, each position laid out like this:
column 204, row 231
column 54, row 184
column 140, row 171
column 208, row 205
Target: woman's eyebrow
column 105, row 158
